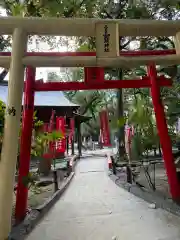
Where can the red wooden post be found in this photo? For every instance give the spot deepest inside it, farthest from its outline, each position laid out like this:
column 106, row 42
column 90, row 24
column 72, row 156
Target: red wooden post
column 25, row 146
column 163, row 134
column 93, row 75
column 52, row 148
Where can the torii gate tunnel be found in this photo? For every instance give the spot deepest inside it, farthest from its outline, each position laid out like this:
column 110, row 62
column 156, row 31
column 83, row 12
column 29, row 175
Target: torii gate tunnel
column 107, row 54
column 93, row 79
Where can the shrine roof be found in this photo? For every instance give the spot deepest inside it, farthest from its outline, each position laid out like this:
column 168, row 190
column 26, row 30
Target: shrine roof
column 46, row 99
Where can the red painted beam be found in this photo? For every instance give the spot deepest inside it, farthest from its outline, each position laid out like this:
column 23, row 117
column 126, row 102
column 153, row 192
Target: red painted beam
column 25, row 146
column 73, row 54
column 93, row 74
column 114, row 84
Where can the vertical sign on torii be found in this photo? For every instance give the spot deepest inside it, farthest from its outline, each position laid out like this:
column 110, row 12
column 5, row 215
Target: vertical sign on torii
column 106, row 39
column 108, row 34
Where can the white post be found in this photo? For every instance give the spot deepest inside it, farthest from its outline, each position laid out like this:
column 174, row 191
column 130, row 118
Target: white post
column 11, row 131
column 177, row 42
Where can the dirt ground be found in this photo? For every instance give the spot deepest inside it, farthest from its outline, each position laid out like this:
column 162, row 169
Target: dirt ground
column 160, row 179
column 36, row 197
column 39, row 195
column 157, row 177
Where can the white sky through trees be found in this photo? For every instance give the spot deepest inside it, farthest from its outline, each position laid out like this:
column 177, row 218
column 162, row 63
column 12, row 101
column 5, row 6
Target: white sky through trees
column 44, row 47
column 62, row 44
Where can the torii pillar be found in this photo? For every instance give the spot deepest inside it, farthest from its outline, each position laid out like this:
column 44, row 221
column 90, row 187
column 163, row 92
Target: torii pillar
column 11, row 131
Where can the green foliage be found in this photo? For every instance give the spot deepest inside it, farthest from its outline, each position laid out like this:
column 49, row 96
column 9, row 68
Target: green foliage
column 17, row 9
column 42, row 141
column 37, row 123
column 53, row 77
column 121, row 121
column 137, row 147
column 141, row 117
column 30, row 179
column 83, row 48
column 2, row 115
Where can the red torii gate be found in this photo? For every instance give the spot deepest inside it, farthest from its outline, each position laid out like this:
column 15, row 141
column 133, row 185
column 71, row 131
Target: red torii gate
column 94, row 79
column 106, row 33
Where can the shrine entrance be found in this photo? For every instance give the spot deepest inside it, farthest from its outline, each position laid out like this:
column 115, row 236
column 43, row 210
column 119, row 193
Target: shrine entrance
column 107, row 55
column 93, row 79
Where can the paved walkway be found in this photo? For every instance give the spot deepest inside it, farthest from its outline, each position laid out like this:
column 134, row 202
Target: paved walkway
column 94, row 208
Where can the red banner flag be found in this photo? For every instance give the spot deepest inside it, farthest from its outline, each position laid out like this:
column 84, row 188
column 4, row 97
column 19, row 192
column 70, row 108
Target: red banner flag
column 71, row 135
column 60, row 126
column 105, row 131
column 45, row 127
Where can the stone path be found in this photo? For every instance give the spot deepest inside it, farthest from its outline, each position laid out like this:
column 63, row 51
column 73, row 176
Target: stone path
column 94, row 208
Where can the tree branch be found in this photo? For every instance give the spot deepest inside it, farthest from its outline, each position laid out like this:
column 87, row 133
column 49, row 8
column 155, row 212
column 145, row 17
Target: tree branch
column 127, row 43
column 3, row 74
column 141, row 93
column 70, row 12
column 107, row 14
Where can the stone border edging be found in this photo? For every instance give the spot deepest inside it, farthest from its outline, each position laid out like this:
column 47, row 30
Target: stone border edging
column 74, row 161
column 149, row 196
column 20, row 231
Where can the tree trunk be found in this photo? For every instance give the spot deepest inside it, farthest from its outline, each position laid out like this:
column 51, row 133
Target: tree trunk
column 67, row 145
column 72, row 146
column 120, row 114
column 79, row 140
column 44, row 166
